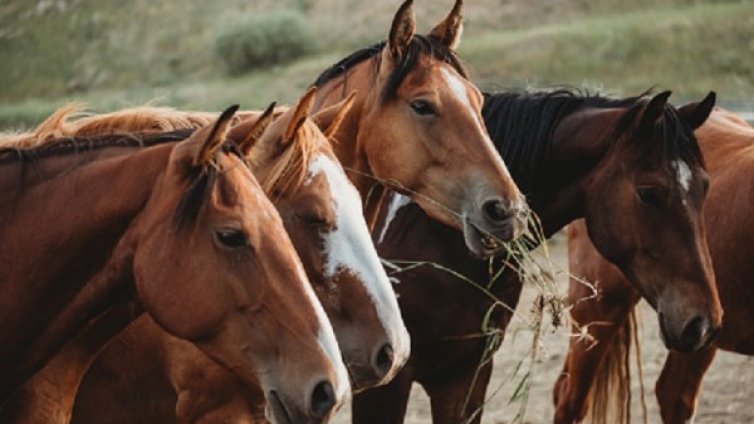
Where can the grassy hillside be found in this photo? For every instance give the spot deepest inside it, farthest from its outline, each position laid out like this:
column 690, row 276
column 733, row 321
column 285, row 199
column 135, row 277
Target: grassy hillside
column 115, row 54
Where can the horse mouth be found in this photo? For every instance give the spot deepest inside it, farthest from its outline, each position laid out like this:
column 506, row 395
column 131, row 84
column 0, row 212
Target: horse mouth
column 277, row 412
column 480, row 243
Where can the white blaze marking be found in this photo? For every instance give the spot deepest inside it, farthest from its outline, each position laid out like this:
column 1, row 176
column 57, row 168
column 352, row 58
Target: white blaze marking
column 350, row 247
column 683, row 173
column 459, row 91
column 396, row 202
column 327, row 338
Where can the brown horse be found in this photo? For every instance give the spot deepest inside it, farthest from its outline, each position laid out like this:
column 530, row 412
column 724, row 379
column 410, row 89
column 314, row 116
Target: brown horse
column 188, row 212
column 727, row 143
column 574, row 156
column 321, row 211
column 416, row 126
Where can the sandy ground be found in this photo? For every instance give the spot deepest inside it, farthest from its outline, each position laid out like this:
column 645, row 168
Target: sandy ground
column 727, row 391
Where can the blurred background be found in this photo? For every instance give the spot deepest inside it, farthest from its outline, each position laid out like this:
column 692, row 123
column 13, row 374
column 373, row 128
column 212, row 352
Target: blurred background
column 205, row 55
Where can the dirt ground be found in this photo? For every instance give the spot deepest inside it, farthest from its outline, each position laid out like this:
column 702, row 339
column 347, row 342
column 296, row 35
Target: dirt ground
column 726, row 391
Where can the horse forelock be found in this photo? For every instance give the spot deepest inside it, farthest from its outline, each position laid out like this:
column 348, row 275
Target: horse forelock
column 670, row 137
column 419, row 45
column 290, row 169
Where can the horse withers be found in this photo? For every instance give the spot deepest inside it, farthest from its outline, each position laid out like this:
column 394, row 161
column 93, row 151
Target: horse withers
column 189, row 213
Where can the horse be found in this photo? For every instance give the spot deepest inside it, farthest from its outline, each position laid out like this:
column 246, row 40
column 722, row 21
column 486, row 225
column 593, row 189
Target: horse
column 416, row 126
column 182, row 231
column 573, row 155
column 329, row 231
column 727, row 143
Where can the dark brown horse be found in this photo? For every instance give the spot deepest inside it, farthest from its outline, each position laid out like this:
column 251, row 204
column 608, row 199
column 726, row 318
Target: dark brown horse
column 184, row 230
column 727, row 143
column 416, row 125
column 574, row 156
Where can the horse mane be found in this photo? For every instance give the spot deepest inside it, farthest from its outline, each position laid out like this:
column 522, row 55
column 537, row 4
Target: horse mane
column 420, row 44
column 522, row 126
column 70, row 129
column 73, row 120
column 71, row 145
column 54, row 127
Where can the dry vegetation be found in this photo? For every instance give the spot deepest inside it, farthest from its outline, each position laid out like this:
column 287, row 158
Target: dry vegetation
column 113, row 54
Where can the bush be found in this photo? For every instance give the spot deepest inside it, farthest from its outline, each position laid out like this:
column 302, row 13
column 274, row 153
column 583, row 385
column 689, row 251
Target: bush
column 265, row 39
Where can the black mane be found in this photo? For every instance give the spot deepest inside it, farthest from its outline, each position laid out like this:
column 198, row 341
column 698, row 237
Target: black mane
column 522, row 126
column 72, row 145
column 420, row 44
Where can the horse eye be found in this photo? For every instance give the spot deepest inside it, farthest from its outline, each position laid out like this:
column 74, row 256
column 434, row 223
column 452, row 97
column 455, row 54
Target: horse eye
column 422, row 108
column 312, row 219
column 232, row 238
column 650, row 196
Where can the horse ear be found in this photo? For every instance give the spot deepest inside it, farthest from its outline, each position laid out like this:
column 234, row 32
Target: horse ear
column 253, row 134
column 696, row 113
column 402, row 31
column 654, row 109
column 214, row 138
column 328, row 120
column 300, row 114
column 450, row 29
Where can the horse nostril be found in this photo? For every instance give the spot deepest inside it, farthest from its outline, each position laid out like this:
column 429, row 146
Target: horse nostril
column 323, row 399
column 694, row 332
column 383, row 361
column 496, row 211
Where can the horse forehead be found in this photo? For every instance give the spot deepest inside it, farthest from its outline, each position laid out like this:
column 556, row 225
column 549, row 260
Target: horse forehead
column 238, row 189
column 683, row 174
column 332, row 175
column 315, row 193
column 461, row 89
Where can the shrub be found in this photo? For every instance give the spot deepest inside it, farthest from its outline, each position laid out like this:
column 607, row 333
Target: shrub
column 265, row 39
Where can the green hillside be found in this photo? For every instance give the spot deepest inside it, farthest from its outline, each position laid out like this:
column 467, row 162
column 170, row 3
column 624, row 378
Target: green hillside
column 119, row 53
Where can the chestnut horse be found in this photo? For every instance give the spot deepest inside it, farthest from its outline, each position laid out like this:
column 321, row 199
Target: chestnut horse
column 727, row 143
column 574, row 156
column 321, row 211
column 416, row 126
column 188, row 212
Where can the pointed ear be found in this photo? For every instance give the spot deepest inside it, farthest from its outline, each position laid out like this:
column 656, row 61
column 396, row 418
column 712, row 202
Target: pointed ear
column 402, row 31
column 251, row 134
column 450, row 29
column 696, row 113
column 654, row 110
column 214, row 138
column 329, row 119
column 300, row 114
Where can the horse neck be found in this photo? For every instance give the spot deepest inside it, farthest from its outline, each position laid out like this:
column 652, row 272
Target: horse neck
column 726, row 142
column 348, row 148
column 64, row 260
column 580, row 142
